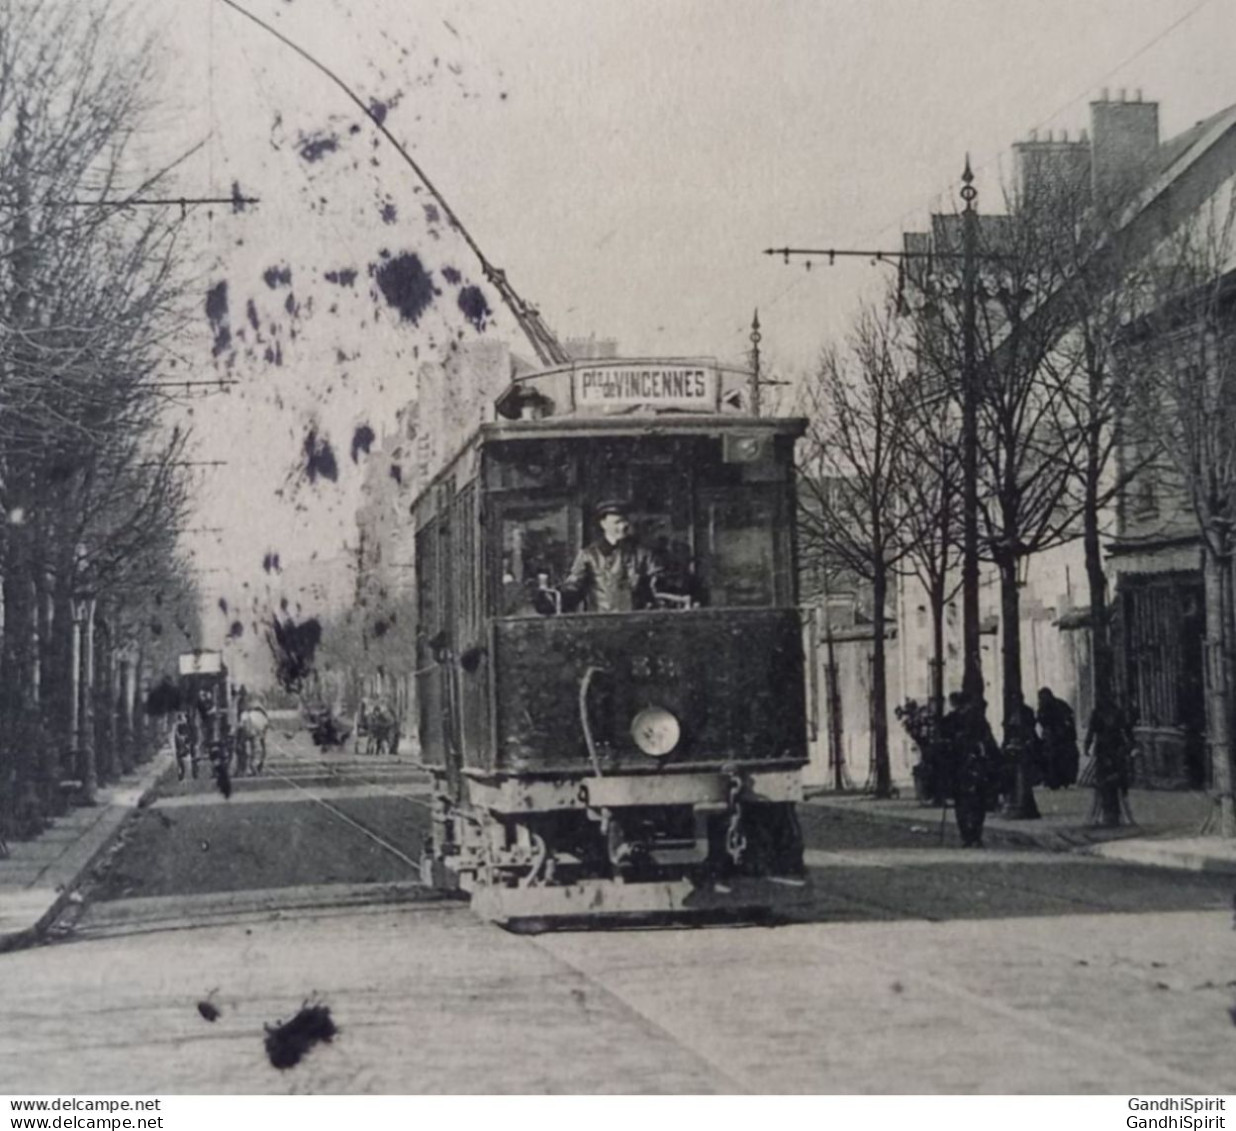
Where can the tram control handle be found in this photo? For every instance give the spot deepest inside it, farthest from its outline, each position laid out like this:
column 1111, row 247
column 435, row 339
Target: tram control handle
column 660, row 598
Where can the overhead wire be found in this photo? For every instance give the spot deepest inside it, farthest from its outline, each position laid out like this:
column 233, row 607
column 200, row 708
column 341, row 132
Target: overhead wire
column 984, row 162
column 935, row 203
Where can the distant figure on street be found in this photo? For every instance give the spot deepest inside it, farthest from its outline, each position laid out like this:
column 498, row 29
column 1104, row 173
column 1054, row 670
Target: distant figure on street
column 207, row 716
column 182, row 739
column 1058, row 728
column 974, row 754
column 1030, row 737
column 1109, row 738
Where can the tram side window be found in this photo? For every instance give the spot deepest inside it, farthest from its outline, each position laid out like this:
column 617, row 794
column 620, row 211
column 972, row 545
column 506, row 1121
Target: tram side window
column 530, row 465
column 427, row 587
column 464, row 564
column 536, row 551
column 737, row 529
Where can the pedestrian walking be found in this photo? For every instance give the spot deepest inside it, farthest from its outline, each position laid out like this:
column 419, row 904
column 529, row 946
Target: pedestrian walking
column 975, row 754
column 1058, row 731
column 1109, row 741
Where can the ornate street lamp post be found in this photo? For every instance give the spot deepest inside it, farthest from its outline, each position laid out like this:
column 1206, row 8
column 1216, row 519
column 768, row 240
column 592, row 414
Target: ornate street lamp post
column 972, row 677
column 82, row 719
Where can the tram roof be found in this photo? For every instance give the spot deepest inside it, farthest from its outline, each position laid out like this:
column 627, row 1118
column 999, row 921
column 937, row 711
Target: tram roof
column 585, row 399
column 652, row 424
column 613, row 388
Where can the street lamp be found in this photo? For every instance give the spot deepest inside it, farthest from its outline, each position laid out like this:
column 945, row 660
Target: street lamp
column 972, row 678
column 82, row 681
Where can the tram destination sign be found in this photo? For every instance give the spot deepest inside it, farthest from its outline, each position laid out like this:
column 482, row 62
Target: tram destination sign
column 200, row 663
column 691, row 386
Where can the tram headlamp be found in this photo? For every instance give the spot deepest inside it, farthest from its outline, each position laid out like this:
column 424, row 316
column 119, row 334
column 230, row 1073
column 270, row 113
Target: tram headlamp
column 656, row 731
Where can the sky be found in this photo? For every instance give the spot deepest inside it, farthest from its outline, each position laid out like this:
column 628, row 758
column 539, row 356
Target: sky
column 625, row 163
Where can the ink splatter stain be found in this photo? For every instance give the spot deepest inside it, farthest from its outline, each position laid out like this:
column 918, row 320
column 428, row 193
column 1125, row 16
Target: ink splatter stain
column 475, row 308
column 293, row 647
column 362, row 441
column 319, row 458
column 406, row 285
column 287, row 1043
column 315, row 147
column 217, row 314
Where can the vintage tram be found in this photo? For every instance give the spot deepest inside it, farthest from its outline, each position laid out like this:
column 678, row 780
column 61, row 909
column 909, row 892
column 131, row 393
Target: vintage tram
column 206, row 708
column 630, row 763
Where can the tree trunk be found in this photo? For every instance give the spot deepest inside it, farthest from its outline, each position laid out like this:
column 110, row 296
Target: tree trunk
column 836, row 732
column 90, row 768
column 141, row 741
column 61, row 711
column 51, row 694
column 1096, row 580
column 1218, row 567
column 879, row 693
column 124, row 708
column 17, row 704
column 936, row 597
column 115, row 709
column 102, row 750
column 1018, row 749
column 75, row 696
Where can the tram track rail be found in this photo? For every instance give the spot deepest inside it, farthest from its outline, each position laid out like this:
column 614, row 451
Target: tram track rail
column 352, row 822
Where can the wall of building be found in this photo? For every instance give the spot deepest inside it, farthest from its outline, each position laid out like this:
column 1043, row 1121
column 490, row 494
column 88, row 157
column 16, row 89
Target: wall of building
column 854, row 651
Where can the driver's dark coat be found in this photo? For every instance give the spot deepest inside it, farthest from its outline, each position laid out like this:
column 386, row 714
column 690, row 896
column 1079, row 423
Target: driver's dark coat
column 613, row 579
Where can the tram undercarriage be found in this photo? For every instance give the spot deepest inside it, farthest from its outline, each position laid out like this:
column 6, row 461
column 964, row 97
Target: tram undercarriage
column 549, row 852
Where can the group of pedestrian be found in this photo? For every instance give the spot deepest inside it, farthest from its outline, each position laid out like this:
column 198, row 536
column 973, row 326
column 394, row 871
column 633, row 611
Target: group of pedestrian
column 979, row 777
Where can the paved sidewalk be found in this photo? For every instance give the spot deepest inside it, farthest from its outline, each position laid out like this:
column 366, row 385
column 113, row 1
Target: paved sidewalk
column 1169, row 828
column 39, row 877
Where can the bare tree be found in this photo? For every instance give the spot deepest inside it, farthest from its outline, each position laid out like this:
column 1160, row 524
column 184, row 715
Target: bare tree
column 88, row 293
column 931, row 511
column 854, row 460
column 1026, row 498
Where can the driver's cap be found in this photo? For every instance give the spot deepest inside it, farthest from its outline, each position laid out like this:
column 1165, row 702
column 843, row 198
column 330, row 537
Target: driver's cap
column 613, row 506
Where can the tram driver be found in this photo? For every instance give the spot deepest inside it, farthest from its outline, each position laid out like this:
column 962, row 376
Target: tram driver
column 615, row 573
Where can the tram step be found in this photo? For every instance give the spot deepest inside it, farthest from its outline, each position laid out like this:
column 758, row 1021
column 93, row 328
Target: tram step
column 542, row 908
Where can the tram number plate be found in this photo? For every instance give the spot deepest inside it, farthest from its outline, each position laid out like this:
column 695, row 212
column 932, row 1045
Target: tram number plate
column 654, row 667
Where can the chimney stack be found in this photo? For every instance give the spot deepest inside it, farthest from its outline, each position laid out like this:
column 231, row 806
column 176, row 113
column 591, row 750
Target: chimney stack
column 1126, row 139
column 1047, row 166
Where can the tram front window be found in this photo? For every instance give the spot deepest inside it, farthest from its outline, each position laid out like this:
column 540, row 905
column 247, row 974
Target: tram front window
column 535, row 552
column 688, row 537
column 739, row 546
